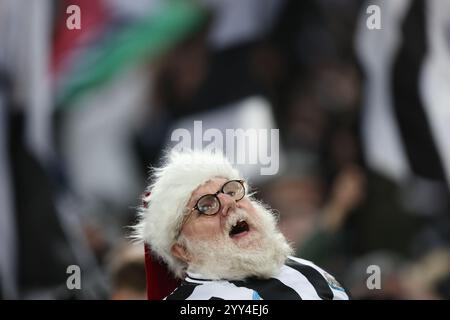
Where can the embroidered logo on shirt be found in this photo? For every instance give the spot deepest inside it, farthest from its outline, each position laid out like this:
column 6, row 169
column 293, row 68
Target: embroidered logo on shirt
column 256, row 296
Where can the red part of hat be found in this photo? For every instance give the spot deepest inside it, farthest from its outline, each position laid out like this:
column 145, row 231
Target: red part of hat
column 160, row 281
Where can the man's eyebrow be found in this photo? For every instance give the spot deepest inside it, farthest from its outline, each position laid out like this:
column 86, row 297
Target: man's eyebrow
column 198, row 197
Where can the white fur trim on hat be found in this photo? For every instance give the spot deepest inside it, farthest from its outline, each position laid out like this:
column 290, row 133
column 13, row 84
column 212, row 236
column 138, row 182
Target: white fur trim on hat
column 170, row 191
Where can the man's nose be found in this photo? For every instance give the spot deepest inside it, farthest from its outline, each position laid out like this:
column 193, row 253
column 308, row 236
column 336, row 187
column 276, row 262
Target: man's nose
column 228, row 203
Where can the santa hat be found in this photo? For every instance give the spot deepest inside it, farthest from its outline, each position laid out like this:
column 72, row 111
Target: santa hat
column 164, row 205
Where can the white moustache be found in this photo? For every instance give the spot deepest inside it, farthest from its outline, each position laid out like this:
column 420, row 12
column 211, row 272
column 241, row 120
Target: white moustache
column 237, row 216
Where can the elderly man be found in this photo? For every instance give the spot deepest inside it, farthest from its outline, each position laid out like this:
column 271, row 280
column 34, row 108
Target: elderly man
column 198, row 220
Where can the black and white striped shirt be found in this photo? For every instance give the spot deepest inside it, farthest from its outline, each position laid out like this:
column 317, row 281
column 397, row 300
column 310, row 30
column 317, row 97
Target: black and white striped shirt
column 298, row 279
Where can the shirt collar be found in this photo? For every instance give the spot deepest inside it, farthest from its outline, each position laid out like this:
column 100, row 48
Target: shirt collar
column 197, row 276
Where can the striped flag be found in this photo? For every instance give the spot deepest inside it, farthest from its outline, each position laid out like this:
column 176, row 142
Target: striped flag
column 406, row 112
column 40, row 231
column 104, row 48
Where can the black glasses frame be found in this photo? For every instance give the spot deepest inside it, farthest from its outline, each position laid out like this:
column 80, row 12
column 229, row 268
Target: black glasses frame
column 215, row 195
column 188, row 213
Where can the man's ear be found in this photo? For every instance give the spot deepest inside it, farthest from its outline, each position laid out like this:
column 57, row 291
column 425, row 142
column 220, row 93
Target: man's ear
column 180, row 252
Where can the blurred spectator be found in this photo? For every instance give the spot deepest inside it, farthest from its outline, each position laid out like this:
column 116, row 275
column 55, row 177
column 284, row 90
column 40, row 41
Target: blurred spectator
column 390, row 267
column 298, row 201
column 429, row 277
column 328, row 243
column 127, row 272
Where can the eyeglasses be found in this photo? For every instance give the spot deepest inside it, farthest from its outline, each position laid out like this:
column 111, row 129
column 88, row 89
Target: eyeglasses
column 209, row 204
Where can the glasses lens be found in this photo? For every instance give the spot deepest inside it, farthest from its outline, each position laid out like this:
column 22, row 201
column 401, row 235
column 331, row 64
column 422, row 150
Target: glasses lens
column 234, row 189
column 208, row 204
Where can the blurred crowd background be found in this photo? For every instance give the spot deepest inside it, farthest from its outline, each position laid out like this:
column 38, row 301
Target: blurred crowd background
column 363, row 116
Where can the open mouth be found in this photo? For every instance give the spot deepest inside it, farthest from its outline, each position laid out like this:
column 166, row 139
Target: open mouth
column 239, row 228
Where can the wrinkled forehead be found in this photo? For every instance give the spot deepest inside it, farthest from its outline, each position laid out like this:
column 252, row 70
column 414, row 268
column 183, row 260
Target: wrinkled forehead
column 210, row 186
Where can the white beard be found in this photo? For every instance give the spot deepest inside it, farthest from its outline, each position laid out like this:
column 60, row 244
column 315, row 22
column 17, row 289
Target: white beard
column 261, row 253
